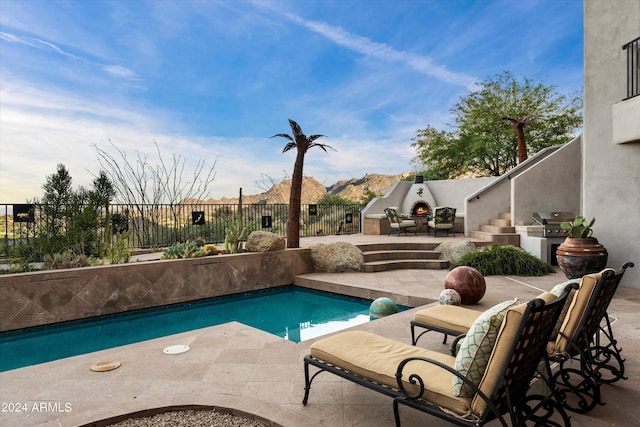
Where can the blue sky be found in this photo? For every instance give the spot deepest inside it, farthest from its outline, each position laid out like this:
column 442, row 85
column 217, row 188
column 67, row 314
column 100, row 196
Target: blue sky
column 215, row 79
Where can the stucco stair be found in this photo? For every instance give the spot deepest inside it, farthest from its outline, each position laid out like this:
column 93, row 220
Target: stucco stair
column 395, row 256
column 498, row 231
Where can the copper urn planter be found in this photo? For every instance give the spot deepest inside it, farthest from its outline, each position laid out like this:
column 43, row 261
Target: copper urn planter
column 579, row 256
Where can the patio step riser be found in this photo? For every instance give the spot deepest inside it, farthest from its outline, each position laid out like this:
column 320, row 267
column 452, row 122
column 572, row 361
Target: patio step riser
column 497, row 238
column 500, row 222
column 402, row 254
column 379, row 266
column 497, row 229
column 400, row 246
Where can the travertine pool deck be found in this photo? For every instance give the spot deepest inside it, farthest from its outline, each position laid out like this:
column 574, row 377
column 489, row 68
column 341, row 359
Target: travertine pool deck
column 251, row 372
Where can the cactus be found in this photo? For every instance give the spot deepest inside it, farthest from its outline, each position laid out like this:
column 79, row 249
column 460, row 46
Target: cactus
column 579, row 227
column 235, row 232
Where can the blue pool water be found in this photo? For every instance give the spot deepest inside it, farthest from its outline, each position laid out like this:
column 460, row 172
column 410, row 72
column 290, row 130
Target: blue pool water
column 290, row 312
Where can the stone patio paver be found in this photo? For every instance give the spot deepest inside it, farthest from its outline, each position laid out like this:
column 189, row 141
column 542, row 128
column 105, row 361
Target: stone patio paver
column 251, row 372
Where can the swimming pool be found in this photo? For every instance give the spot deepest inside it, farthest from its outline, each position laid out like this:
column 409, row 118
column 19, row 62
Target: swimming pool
column 290, row 312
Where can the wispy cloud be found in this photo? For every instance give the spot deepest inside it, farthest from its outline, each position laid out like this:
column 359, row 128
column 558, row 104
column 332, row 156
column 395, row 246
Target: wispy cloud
column 209, row 80
column 118, row 71
column 384, row 52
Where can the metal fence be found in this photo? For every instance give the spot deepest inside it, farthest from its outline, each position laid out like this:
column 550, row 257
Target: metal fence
column 633, row 67
column 156, row 226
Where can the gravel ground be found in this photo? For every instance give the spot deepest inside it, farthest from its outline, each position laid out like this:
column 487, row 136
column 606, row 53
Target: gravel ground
column 190, row 418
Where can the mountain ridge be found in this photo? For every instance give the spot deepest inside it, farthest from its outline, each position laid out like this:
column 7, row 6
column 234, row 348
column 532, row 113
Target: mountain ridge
column 350, row 189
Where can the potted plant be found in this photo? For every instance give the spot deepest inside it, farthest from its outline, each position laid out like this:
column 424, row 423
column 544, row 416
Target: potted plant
column 580, row 253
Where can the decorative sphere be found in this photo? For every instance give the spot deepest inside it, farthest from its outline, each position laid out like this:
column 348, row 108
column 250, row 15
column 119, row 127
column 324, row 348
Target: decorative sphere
column 382, row 307
column 450, row 297
column 468, row 282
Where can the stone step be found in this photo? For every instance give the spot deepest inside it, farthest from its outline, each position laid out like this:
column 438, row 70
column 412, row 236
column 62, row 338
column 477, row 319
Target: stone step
column 497, row 229
column 401, row 255
column 370, row 256
column 400, row 246
column 400, row 264
column 500, row 222
column 505, row 215
column 498, row 238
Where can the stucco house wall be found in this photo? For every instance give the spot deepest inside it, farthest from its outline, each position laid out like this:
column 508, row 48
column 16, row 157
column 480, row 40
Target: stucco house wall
column 552, row 185
column 611, row 170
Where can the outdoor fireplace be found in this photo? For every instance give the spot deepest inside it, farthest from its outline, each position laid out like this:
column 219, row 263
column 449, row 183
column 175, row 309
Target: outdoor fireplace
column 421, row 210
column 418, row 200
column 411, row 199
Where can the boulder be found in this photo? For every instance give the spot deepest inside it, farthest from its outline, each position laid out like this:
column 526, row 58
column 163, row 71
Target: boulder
column 453, row 251
column 264, row 241
column 336, row 257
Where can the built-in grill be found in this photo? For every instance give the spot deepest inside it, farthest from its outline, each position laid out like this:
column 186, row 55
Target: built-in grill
column 550, row 221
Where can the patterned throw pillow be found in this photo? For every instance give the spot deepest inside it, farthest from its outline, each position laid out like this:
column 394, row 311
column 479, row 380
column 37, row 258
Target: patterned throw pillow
column 557, row 291
column 473, row 355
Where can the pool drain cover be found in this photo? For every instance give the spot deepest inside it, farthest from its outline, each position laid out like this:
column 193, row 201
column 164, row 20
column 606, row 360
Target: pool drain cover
column 176, row 349
column 107, row 365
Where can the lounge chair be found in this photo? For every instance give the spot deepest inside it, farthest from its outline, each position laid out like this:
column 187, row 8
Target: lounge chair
column 424, row 379
column 584, row 323
column 398, row 223
column 443, row 220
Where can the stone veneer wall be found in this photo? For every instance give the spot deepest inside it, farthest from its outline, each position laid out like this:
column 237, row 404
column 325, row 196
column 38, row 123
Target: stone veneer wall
column 31, row 299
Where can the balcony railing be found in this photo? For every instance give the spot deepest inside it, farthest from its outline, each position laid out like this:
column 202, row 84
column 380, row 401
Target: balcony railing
column 633, row 67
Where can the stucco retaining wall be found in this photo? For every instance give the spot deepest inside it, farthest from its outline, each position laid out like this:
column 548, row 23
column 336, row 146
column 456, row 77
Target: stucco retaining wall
column 31, row 299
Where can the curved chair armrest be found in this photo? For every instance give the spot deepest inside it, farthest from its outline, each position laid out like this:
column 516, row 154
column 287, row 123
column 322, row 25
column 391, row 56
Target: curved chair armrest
column 456, row 343
column 415, row 379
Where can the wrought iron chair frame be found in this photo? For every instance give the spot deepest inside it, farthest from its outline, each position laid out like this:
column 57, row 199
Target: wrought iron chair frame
column 578, row 389
column 401, row 224
column 509, row 395
column 436, row 212
column 596, row 360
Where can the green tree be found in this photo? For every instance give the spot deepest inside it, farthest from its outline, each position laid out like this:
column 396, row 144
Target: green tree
column 483, row 143
column 56, row 208
column 71, row 218
column 369, row 195
column 102, row 195
column 301, row 143
column 333, row 199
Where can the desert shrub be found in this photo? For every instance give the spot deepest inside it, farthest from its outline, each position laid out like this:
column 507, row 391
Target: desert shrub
column 118, row 252
column 505, row 260
column 212, row 250
column 184, row 250
column 18, row 265
column 65, row 259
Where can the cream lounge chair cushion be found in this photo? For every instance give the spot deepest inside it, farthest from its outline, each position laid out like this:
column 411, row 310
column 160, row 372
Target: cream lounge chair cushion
column 557, row 291
column 475, row 350
column 502, row 349
column 450, row 317
column 576, row 311
column 377, row 358
column 459, row 319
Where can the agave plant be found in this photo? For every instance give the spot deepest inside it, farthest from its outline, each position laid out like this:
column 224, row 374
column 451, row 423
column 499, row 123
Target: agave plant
column 579, row 227
column 302, row 143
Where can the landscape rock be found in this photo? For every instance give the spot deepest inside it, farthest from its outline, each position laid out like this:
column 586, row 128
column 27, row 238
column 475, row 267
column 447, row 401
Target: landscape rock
column 453, row 251
column 264, row 241
column 336, row 257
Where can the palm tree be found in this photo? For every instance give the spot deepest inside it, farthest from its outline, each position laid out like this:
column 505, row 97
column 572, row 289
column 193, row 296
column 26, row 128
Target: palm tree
column 518, row 124
column 302, row 143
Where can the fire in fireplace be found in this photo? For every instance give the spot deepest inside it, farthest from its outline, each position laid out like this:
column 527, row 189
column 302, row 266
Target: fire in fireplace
column 421, row 210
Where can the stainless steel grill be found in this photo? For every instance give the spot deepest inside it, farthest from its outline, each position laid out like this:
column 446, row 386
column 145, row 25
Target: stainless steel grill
column 550, row 221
